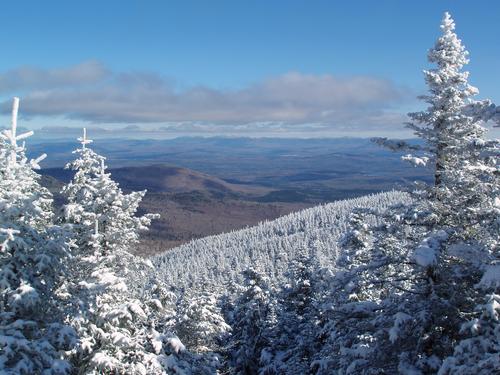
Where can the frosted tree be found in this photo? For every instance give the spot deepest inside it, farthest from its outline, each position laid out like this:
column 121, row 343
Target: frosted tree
column 32, row 337
column 454, row 223
column 444, row 126
column 478, row 353
column 293, row 341
column 464, row 201
column 251, row 325
column 94, row 197
column 110, row 319
column 355, row 312
column 200, row 323
column 452, row 122
column 464, row 163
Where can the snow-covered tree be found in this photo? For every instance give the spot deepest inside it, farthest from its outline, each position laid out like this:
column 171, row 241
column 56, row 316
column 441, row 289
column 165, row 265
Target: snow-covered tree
column 293, row 342
column 93, row 197
column 32, row 336
column 111, row 321
column 201, row 325
column 467, row 182
column 251, row 324
column 444, row 126
column 465, row 165
column 454, row 223
column 479, row 352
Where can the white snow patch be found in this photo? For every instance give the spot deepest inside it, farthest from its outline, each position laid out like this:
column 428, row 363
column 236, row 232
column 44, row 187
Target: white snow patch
column 176, row 344
column 491, row 277
column 426, row 254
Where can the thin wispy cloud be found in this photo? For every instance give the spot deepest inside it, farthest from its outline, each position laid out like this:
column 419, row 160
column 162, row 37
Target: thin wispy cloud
column 91, row 92
column 35, row 79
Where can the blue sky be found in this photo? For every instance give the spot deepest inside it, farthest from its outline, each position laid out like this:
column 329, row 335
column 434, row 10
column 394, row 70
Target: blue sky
column 187, row 62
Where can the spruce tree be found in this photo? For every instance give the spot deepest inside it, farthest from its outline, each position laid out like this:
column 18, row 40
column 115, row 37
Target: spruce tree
column 294, row 339
column 251, row 324
column 200, row 324
column 111, row 321
column 32, row 334
column 453, row 224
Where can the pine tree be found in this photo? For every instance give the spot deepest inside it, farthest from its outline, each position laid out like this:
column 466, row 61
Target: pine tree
column 251, row 324
column 454, row 223
column 294, row 342
column 200, row 324
column 479, row 352
column 93, row 197
column 110, row 319
column 445, row 127
column 32, row 335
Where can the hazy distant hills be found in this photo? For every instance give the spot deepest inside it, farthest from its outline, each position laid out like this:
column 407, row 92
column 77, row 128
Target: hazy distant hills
column 170, row 179
column 304, row 170
column 162, row 178
column 205, row 186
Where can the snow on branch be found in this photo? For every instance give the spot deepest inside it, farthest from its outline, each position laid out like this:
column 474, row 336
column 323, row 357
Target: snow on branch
column 416, row 161
column 483, row 110
column 395, row 145
column 427, row 253
column 84, row 140
column 491, row 277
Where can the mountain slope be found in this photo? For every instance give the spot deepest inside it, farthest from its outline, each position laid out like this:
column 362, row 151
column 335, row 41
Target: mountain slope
column 269, row 246
column 169, row 179
column 191, row 204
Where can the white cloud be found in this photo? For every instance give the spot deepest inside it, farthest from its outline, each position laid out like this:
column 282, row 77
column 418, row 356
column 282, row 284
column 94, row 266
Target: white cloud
column 32, row 78
column 93, row 93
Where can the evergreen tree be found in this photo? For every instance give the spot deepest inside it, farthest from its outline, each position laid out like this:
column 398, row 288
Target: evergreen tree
column 110, row 319
column 251, row 323
column 200, row 324
column 479, row 352
column 93, row 197
column 294, row 340
column 32, row 336
column 453, row 224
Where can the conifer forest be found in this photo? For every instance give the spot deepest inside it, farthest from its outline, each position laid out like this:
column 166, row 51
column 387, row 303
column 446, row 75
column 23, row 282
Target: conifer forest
column 405, row 281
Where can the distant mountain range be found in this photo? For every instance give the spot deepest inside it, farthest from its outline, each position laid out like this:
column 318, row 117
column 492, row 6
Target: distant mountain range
column 307, row 170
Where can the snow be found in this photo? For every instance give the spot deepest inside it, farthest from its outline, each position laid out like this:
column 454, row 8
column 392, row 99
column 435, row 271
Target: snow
column 9, row 236
column 60, row 367
column 176, row 345
column 119, row 339
column 365, row 299
column 271, row 245
column 25, row 296
column 400, row 318
column 492, row 307
column 416, row 161
column 426, row 254
column 491, row 277
column 104, row 362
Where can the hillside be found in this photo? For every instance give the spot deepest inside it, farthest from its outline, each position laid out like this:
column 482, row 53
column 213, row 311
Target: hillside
column 191, row 204
column 170, row 179
column 269, row 246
